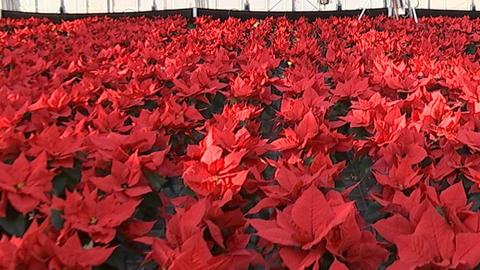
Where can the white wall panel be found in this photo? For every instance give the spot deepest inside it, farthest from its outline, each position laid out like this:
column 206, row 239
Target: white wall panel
column 458, row 5
column 75, row 6
column 147, row 5
column 312, row 5
column 231, row 4
column 126, row 6
column 356, row 4
column 282, row 5
column 258, row 5
column 26, row 4
column 48, row 6
column 171, row 4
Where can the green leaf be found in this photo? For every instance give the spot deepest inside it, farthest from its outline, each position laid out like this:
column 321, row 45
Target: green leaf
column 207, row 109
column 360, row 133
column 269, row 172
column 150, row 104
column 308, row 161
column 439, row 210
column 218, row 103
column 269, row 126
column 68, row 178
column 150, row 265
column 471, row 49
column 340, row 108
column 475, row 200
column 156, row 181
column 148, row 208
column 117, row 261
column 467, row 184
column 14, row 223
column 358, row 170
column 326, row 261
column 372, row 211
column 57, row 219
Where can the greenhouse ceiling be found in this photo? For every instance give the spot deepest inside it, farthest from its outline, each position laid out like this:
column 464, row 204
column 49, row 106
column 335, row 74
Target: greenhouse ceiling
column 94, row 6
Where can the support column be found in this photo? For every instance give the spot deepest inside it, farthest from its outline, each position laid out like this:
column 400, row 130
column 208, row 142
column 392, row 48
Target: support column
column 390, row 8
column 246, row 5
column 62, row 6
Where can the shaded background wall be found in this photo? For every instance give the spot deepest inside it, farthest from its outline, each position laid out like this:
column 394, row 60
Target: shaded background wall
column 92, row 6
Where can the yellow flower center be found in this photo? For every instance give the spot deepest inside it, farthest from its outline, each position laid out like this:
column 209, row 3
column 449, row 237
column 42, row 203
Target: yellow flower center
column 93, row 221
column 20, row 185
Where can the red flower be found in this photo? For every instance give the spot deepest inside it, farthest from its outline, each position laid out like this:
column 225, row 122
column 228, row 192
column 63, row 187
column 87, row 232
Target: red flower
column 195, row 254
column 126, row 179
column 216, row 172
column 199, row 83
column 241, row 89
column 57, row 102
column 60, row 146
column 303, row 225
column 184, row 240
column 25, row 184
column 98, row 216
column 72, row 254
column 428, row 239
column 7, row 253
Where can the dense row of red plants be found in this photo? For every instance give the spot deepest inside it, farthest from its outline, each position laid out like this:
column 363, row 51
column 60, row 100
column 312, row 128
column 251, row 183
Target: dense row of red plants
column 258, row 144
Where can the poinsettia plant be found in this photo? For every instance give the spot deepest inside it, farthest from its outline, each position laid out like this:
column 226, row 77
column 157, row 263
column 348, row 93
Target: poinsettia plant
column 169, row 143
